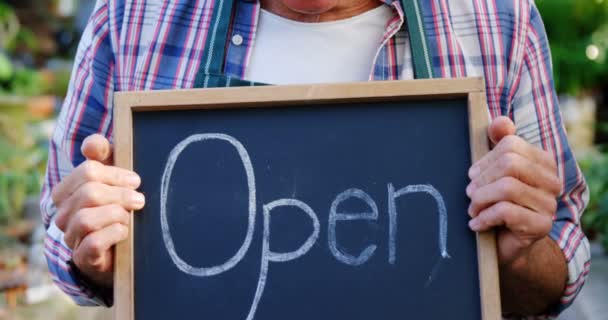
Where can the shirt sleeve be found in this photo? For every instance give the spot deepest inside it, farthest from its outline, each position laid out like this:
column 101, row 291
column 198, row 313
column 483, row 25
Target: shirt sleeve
column 536, row 113
column 86, row 110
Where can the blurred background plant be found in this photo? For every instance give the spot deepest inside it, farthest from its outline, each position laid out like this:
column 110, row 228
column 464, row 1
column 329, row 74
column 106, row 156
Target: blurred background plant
column 27, row 97
column 595, row 219
column 22, row 162
column 37, row 43
column 578, row 35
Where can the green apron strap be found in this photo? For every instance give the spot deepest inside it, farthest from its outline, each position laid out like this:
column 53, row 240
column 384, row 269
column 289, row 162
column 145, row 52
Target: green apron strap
column 423, row 68
column 212, row 62
column 211, row 70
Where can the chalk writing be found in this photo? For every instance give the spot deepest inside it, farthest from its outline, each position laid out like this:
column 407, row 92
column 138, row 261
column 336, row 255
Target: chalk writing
column 443, row 222
column 392, row 212
column 268, row 255
column 335, row 216
column 164, row 189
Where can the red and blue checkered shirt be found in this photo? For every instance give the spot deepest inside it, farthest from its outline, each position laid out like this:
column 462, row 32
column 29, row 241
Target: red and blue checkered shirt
column 154, row 44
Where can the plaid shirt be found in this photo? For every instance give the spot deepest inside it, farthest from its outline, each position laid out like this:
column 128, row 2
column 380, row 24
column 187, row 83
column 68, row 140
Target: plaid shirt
column 154, row 44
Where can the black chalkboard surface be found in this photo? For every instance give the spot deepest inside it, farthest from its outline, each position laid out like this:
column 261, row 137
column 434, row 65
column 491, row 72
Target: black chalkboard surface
column 335, row 206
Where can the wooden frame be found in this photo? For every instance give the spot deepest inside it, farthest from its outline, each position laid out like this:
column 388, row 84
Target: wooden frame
column 473, row 89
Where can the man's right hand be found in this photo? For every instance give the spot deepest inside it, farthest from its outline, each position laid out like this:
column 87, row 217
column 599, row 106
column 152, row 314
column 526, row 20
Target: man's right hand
column 93, row 205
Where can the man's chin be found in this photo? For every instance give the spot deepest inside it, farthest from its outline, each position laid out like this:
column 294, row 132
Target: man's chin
column 311, row 7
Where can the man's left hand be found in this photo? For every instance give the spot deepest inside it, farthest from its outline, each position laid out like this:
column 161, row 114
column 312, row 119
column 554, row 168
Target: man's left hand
column 513, row 187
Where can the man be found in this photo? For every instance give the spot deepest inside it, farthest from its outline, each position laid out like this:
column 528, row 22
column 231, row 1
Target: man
column 528, row 186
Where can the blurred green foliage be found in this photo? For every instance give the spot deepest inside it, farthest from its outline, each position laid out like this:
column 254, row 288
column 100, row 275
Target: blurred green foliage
column 22, row 156
column 22, row 82
column 595, row 219
column 17, row 79
column 22, row 162
column 578, row 35
column 12, row 33
column 595, row 169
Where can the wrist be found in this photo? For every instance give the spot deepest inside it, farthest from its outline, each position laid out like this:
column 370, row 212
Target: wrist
column 533, row 283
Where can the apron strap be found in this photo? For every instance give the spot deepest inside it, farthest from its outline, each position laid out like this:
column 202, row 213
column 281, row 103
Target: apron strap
column 423, row 68
column 212, row 62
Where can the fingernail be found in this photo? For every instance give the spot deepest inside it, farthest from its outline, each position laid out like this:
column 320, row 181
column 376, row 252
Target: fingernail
column 133, row 180
column 138, row 199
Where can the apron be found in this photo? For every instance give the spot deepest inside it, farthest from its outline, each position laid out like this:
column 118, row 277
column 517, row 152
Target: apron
column 211, row 72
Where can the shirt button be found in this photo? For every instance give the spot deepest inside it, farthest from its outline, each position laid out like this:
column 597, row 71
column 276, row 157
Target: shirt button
column 237, row 39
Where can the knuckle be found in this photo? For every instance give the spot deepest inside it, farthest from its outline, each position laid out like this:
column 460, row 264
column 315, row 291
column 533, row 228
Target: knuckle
column 550, row 159
column 95, row 263
column 122, row 232
column 98, row 264
column 77, row 257
column 84, row 256
column 118, row 213
column 552, row 207
column 522, row 229
column 90, row 193
column 556, row 185
column 118, row 176
column 127, row 196
column 90, row 170
column 475, row 198
column 508, row 162
column 82, row 222
column 509, row 143
column 69, row 240
column 61, row 221
column 55, row 195
column 526, row 242
column 508, row 187
column 116, row 210
column 94, row 246
column 547, row 226
column 509, row 216
column 502, row 208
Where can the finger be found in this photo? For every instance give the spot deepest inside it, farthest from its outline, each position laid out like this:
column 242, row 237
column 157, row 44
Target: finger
column 95, row 194
column 499, row 128
column 94, row 252
column 90, row 171
column 512, row 190
column 90, row 220
column 97, row 147
column 517, row 145
column 519, row 220
column 514, row 165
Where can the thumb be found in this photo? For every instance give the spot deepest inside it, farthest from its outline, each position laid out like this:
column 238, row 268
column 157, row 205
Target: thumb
column 500, row 128
column 96, row 147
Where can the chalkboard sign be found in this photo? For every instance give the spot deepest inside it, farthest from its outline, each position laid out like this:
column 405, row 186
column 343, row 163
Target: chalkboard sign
column 341, row 201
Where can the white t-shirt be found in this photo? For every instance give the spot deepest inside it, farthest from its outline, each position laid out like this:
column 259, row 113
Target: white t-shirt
column 292, row 52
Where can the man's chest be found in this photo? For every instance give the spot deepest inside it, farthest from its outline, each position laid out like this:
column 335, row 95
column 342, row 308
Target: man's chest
column 160, row 44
